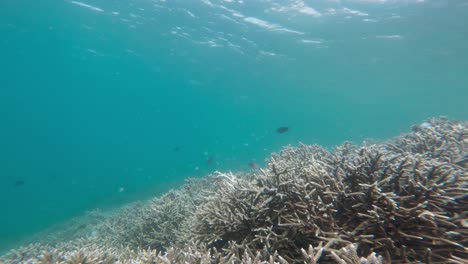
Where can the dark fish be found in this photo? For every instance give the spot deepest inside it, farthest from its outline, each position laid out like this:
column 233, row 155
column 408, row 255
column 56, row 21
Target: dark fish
column 253, row 165
column 282, row 129
column 210, row 160
column 19, row 183
column 82, row 226
column 176, row 148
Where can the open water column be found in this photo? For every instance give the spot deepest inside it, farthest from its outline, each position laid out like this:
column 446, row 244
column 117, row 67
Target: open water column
column 233, row 131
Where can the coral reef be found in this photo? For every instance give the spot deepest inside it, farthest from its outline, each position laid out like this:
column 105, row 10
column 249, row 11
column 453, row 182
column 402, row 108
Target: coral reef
column 157, row 223
column 400, row 201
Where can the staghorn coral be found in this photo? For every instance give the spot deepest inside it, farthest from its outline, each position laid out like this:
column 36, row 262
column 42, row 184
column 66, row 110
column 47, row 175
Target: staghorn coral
column 405, row 199
column 92, row 253
column 400, row 201
column 155, row 224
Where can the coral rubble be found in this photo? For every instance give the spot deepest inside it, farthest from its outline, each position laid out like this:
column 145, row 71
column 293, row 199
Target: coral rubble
column 400, row 201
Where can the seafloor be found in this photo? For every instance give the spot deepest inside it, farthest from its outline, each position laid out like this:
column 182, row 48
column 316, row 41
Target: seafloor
column 400, row 201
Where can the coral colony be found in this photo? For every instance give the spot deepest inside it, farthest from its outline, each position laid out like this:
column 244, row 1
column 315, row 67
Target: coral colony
column 400, row 201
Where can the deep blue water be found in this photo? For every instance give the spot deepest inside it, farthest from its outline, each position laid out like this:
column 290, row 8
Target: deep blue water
column 103, row 102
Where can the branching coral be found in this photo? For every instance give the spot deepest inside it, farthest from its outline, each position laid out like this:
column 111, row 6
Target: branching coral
column 157, row 223
column 405, row 199
column 401, row 201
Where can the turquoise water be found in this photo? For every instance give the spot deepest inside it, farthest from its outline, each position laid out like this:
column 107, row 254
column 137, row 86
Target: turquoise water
column 106, row 102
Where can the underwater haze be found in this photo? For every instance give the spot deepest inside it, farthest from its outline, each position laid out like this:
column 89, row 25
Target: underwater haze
column 104, row 102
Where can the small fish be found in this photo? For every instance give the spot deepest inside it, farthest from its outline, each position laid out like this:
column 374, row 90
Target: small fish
column 253, row 165
column 19, row 183
column 210, row 160
column 82, row 226
column 282, row 129
column 176, row 148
